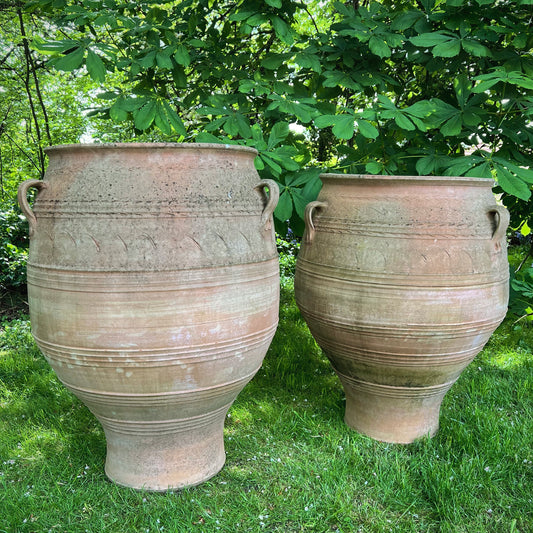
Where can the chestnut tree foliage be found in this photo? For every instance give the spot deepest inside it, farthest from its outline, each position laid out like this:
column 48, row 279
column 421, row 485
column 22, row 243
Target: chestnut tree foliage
column 391, row 87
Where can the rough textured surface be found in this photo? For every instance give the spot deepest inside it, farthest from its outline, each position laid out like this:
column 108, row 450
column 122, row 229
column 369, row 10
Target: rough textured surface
column 154, row 289
column 402, row 280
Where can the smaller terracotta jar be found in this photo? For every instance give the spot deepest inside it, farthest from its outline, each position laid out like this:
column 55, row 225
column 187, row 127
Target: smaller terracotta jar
column 402, row 280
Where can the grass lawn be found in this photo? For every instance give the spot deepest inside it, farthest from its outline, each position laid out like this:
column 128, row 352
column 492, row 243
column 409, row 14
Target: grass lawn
column 292, row 464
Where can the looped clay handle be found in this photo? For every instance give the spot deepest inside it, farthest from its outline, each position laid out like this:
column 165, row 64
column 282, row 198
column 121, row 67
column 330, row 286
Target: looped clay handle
column 22, row 197
column 309, row 225
column 502, row 222
column 272, row 202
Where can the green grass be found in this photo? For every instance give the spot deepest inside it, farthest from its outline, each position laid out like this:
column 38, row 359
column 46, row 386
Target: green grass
column 292, row 464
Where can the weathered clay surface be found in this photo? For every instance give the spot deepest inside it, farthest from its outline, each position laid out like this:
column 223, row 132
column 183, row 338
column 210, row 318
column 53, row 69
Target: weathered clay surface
column 153, row 289
column 402, row 280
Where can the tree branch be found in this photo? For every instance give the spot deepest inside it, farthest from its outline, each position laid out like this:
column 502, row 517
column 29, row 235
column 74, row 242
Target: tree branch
column 30, row 73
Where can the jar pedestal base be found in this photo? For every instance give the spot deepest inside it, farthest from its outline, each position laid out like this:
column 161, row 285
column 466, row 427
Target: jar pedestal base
column 393, row 414
column 165, row 461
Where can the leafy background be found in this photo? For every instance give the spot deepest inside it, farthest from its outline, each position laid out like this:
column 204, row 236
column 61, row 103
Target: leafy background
column 429, row 87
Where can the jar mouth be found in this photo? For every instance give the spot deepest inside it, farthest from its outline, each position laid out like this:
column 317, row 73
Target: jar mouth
column 151, row 146
column 391, row 179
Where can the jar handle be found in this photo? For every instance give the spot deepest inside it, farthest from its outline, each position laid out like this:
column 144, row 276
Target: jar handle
column 272, row 199
column 22, row 197
column 309, row 225
column 502, row 222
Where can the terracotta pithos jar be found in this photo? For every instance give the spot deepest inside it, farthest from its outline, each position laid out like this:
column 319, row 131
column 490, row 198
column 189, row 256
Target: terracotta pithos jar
column 153, row 287
column 402, row 280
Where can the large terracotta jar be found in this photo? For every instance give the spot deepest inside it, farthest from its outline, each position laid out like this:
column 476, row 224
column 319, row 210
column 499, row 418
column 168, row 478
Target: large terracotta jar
column 153, row 288
column 402, row 280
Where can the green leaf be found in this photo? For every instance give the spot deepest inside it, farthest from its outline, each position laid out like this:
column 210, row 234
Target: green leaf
column 182, row 56
column 312, row 187
column 520, row 41
column 522, row 81
column 379, row 47
column 426, row 165
column 470, row 118
column 306, row 60
column 130, row 104
column 344, row 126
column 421, row 109
column 247, row 86
column 231, row 125
column 524, row 174
column 272, row 164
column 429, row 39
column 274, row 3
column 386, row 102
column 283, row 156
column 204, row 137
column 71, row 61
column 258, row 163
column 459, row 165
column 300, row 202
column 441, row 111
column 243, row 125
column 117, row 111
column 324, row 121
column 257, row 19
column 475, row 48
column 453, row 126
column 241, row 15
column 403, row 122
column 289, row 164
column 282, row 29
column 278, row 133
column 335, row 78
column 273, row 61
column 343, row 9
column 161, row 119
column 367, row 130
column 95, row 66
column 144, row 116
column 54, row 46
column 174, row 119
column 448, row 49
column 284, row 208
column 300, row 111
column 303, row 176
column 463, row 89
column 486, row 84
column 512, row 184
column 480, row 171
column 405, row 20
column 179, row 77
column 257, row 134
column 148, row 60
column 373, row 167
column 163, row 60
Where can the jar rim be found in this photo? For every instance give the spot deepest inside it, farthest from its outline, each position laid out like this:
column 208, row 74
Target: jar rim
column 151, row 146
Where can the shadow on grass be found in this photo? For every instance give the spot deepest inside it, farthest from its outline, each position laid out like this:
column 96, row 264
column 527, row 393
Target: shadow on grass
column 41, row 421
column 295, row 369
